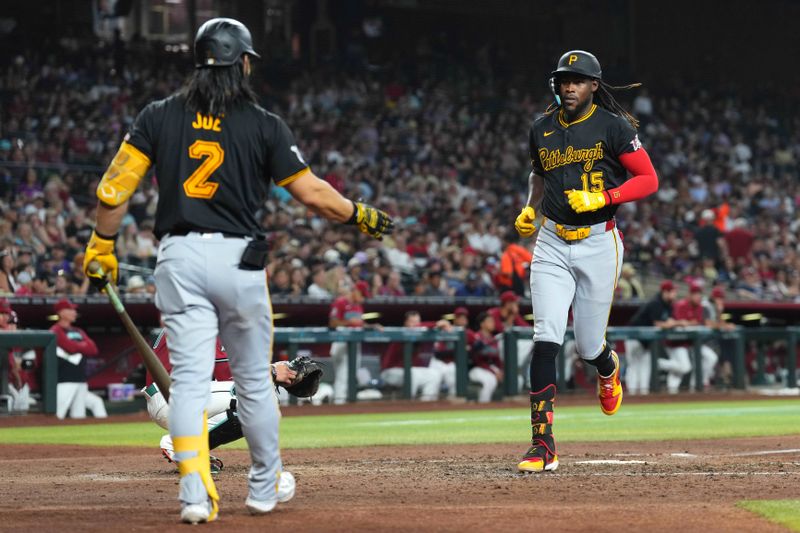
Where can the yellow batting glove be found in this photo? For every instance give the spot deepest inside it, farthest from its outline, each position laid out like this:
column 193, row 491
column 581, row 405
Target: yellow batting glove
column 524, row 223
column 101, row 250
column 583, row 201
column 371, row 220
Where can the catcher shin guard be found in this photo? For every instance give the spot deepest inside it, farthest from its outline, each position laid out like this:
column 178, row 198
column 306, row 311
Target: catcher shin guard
column 227, row 431
column 542, row 453
column 200, row 463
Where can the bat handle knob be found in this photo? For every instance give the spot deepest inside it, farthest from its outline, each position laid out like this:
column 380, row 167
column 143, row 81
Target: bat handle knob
column 95, row 268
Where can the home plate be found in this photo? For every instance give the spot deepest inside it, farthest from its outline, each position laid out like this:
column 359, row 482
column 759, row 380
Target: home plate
column 609, row 462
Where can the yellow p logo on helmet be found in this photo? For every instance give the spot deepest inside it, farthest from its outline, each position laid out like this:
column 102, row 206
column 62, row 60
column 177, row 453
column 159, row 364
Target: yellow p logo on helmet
column 573, row 58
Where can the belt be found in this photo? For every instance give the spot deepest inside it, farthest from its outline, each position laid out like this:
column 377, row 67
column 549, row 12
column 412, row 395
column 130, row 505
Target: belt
column 184, row 232
column 573, row 234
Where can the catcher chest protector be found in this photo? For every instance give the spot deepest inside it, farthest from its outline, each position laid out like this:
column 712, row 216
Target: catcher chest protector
column 220, row 42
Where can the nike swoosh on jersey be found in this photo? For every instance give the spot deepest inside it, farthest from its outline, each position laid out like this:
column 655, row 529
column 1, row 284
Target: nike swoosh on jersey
column 548, row 133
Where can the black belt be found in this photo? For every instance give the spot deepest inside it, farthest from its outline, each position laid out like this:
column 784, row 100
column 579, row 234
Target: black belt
column 183, row 232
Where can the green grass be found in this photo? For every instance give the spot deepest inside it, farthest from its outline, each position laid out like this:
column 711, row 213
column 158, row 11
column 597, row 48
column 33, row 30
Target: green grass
column 783, row 512
column 664, row 421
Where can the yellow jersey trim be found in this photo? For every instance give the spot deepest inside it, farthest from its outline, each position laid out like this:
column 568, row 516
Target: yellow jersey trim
column 286, row 181
column 584, row 117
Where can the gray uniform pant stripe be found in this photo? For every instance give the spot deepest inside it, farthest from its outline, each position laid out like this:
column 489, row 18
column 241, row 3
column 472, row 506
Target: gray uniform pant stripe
column 582, row 275
column 202, row 293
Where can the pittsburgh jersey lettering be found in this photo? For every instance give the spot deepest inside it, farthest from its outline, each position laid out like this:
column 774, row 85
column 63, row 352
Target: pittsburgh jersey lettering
column 551, row 159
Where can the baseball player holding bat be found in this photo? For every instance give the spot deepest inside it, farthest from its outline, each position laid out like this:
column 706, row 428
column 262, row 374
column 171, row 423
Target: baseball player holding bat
column 215, row 153
column 582, row 150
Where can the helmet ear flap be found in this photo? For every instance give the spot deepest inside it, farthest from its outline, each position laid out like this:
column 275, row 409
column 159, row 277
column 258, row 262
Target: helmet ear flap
column 552, row 82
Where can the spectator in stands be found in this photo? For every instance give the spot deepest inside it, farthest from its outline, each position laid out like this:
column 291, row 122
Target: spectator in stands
column 8, row 282
column 426, row 381
column 514, row 265
column 73, row 346
column 629, row 285
column 393, row 286
column 690, row 312
column 638, row 356
column 317, row 288
column 749, row 286
column 473, row 286
column 486, row 365
column 739, row 241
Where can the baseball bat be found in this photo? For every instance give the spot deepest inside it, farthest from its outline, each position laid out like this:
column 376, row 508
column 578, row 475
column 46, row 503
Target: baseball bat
column 151, row 361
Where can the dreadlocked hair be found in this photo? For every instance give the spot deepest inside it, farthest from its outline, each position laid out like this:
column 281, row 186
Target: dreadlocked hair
column 605, row 99
column 215, row 90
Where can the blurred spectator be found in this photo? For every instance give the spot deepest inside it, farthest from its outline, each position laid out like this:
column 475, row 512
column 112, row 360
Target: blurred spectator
column 8, row 283
column 426, row 381
column 73, row 346
column 739, row 241
column 317, row 288
column 630, row 285
column 486, row 365
column 514, row 265
column 473, row 286
column 392, row 287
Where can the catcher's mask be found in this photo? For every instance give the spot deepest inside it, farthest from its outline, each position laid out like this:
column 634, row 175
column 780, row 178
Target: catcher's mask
column 575, row 62
column 220, row 42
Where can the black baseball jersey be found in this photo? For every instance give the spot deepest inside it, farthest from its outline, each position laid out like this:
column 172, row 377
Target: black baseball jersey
column 656, row 310
column 581, row 155
column 214, row 173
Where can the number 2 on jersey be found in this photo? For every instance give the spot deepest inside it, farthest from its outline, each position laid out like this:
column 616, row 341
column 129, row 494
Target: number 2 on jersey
column 596, row 179
column 197, row 185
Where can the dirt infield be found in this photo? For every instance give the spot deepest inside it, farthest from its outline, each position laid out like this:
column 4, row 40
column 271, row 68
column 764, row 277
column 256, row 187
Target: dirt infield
column 666, row 486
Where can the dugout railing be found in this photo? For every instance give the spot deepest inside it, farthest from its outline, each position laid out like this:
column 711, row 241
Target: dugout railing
column 293, row 338
column 734, row 340
column 32, row 339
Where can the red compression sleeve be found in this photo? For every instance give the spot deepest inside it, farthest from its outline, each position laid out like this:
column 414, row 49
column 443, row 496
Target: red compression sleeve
column 643, row 182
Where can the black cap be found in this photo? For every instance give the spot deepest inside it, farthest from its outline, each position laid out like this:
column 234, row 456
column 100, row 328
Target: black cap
column 579, row 62
column 220, row 42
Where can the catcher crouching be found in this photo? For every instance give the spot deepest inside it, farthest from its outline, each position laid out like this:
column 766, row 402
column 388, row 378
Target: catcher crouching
column 300, row 377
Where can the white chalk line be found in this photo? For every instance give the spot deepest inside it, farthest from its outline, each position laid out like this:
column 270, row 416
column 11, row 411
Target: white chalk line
column 672, row 474
column 666, row 415
column 611, row 462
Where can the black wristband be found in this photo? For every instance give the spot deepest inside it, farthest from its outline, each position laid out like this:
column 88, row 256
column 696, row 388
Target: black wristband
column 354, row 217
column 106, row 237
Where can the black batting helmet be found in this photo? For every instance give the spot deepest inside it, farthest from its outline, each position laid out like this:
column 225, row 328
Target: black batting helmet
column 220, row 42
column 579, row 62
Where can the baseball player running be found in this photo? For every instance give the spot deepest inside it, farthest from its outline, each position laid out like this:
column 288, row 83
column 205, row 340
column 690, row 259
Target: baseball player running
column 215, row 151
column 582, row 150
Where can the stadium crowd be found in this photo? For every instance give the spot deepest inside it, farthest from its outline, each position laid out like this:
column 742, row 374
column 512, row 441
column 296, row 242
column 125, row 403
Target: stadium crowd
column 444, row 153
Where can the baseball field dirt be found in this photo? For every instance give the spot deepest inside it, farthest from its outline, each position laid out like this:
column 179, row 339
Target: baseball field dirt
column 643, row 486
